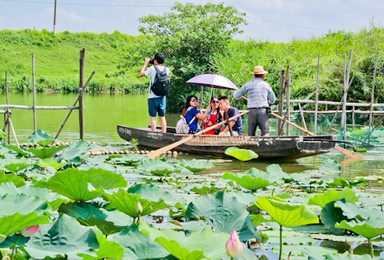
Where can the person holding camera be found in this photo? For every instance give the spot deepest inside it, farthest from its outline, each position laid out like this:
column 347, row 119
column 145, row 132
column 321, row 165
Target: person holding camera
column 260, row 95
column 156, row 103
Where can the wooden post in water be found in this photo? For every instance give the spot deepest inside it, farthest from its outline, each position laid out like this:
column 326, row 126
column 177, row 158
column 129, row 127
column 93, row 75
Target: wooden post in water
column 302, row 118
column 7, row 100
column 372, row 97
column 317, row 96
column 34, row 92
column 353, row 118
column 346, row 88
column 280, row 106
column 288, row 98
column 81, row 94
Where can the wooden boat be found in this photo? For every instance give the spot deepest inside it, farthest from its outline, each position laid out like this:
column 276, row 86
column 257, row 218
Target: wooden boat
column 266, row 147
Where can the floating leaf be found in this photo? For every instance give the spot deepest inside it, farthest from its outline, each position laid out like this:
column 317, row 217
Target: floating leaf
column 287, row 214
column 127, row 159
column 49, row 162
column 16, row 165
column 73, row 183
column 41, row 137
column 152, row 193
column 370, row 228
column 45, row 152
column 21, row 203
column 157, row 167
column 74, row 151
column 333, row 195
column 247, row 181
column 196, row 165
column 241, row 154
column 17, row 180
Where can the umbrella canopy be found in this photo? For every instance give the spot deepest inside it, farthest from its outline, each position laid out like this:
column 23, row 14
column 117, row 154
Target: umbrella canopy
column 213, row 81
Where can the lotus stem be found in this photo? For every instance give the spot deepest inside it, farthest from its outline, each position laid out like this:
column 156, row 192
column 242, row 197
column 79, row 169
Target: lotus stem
column 281, row 242
column 14, row 247
column 371, row 247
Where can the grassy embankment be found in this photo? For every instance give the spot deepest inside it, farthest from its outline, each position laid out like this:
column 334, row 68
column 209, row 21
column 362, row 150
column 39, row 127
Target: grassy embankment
column 57, row 60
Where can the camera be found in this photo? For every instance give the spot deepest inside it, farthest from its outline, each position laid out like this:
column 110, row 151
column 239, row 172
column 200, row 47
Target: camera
column 151, row 61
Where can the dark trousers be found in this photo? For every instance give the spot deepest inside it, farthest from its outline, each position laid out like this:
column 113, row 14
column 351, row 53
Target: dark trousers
column 258, row 117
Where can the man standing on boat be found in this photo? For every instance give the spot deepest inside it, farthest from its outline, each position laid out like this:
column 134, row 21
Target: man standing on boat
column 156, row 104
column 226, row 111
column 260, row 95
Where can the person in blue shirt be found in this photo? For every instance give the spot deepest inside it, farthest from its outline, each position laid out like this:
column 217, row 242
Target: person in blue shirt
column 227, row 111
column 260, row 95
column 191, row 113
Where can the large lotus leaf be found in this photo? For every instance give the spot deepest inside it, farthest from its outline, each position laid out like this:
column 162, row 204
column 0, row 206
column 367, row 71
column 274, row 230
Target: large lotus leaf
column 157, row 167
column 351, row 210
column 49, row 162
column 16, row 165
column 370, row 228
column 45, row 152
column 347, row 256
column 15, row 179
column 73, row 152
column 224, row 213
column 195, row 245
column 19, row 150
column 16, row 222
column 152, row 193
column 333, row 195
column 41, row 137
column 127, row 159
column 330, row 215
column 241, row 154
column 65, row 237
column 107, row 249
column 127, row 203
column 202, row 189
column 73, row 183
column 273, row 174
column 247, row 182
column 21, row 203
column 137, row 245
column 90, row 215
column 287, row 214
column 342, row 182
column 196, row 165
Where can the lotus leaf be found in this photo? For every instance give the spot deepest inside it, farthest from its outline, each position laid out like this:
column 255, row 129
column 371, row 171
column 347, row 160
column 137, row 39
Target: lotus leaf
column 127, row 159
column 41, row 137
column 152, row 193
column 2, row 134
column 17, row 180
column 44, row 152
column 247, row 181
column 73, row 183
column 224, row 213
column 16, row 165
column 196, row 165
column 241, row 154
column 341, row 182
column 330, row 215
column 49, row 162
column 74, row 151
column 204, row 190
column 369, row 228
column 19, row 150
column 259, row 219
column 127, row 203
column 23, row 204
column 347, row 256
column 138, row 245
column 333, row 195
column 65, row 237
column 90, row 215
column 157, row 167
column 16, row 222
column 351, row 210
column 107, row 249
column 287, row 214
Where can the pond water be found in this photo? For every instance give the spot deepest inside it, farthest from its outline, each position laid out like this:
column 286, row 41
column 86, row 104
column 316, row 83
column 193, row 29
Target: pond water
column 104, row 111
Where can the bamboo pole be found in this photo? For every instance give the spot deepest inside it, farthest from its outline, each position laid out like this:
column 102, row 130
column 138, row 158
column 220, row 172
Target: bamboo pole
column 281, row 103
column 34, row 92
column 7, row 100
column 317, row 95
column 346, row 88
column 39, row 107
column 74, row 104
column 372, row 98
column 353, row 118
column 302, row 117
column 288, row 98
column 81, row 94
column 13, row 131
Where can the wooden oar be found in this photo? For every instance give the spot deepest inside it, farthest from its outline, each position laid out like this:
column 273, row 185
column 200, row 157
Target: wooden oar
column 340, row 149
column 164, row 149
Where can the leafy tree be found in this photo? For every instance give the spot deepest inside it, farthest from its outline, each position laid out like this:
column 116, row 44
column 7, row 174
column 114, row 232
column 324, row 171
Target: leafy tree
column 189, row 36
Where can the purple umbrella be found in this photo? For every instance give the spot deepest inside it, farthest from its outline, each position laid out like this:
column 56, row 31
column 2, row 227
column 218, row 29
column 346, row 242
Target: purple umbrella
column 213, row 81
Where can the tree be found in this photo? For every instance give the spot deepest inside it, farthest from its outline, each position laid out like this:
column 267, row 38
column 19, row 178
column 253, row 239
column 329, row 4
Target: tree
column 189, row 36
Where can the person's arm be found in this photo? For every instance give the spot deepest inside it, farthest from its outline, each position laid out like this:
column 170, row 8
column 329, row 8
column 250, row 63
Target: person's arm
column 203, row 116
column 226, row 128
column 142, row 71
column 239, row 93
column 271, row 96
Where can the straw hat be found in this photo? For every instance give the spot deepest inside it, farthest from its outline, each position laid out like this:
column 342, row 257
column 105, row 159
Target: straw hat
column 259, row 70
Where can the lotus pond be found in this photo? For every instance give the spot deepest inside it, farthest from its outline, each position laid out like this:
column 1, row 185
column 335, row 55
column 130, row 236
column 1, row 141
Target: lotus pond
column 59, row 202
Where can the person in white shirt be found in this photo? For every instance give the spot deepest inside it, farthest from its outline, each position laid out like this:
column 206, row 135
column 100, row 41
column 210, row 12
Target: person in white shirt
column 156, row 104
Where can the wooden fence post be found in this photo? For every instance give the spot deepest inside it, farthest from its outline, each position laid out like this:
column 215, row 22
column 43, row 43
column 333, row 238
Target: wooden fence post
column 288, row 98
column 317, row 96
column 7, row 100
column 81, row 94
column 34, row 92
column 280, row 106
